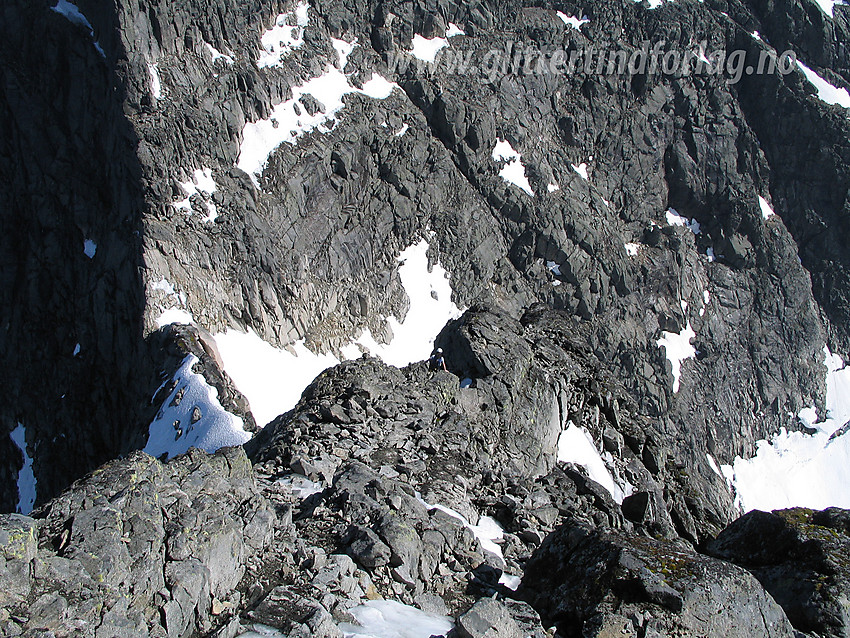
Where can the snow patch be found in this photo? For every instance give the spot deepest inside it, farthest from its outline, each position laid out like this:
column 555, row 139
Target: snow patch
column 827, row 92
column 712, row 463
column 632, row 249
column 75, row 16
column 570, row 21
column 286, row 35
column 828, row 6
column 174, row 315
column 554, row 267
column 509, row 581
column 766, row 208
column 76, row 350
column 26, row 476
column 581, row 169
column 191, row 416
column 391, row 619
column 575, row 445
column 89, row 248
column 426, row 49
column 709, row 253
column 273, row 379
column 551, row 187
column 156, row 83
column 677, row 347
column 513, row 171
column 378, row 87
column 203, row 184
column 795, row 469
column 301, row 486
column 288, row 121
column 487, row 531
column 343, row 50
column 404, row 128
column 675, row 219
column 218, row 55
column 454, row 30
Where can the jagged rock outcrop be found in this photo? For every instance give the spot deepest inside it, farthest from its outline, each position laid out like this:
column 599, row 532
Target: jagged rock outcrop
column 600, row 583
column 802, row 558
column 138, row 549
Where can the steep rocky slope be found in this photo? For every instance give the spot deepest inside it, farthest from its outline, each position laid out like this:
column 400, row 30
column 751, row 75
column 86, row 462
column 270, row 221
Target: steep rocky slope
column 187, row 162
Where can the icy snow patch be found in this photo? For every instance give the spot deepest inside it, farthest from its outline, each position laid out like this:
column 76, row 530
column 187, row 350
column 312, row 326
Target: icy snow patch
column 709, row 252
column 301, row 486
column 76, row 350
column 766, row 209
column 343, row 50
column 273, row 379
column 554, row 267
column 570, row 21
column 261, row 138
column 675, row 219
column 431, row 307
column 426, row 49
column 378, row 87
column 509, row 581
column 75, row 16
column 575, row 445
column 156, row 83
column 827, row 92
column 513, row 171
column 454, row 30
column 712, row 463
column 286, row 35
column 632, row 249
column 677, row 347
column 176, row 427
column 174, row 315
column 218, row 55
column 487, row 531
column 89, row 248
column 581, row 169
column 391, row 619
column 795, row 469
column 828, row 6
column 201, row 183
column 26, row 477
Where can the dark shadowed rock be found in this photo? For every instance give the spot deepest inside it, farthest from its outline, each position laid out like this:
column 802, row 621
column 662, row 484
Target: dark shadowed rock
column 800, row 556
column 599, row 583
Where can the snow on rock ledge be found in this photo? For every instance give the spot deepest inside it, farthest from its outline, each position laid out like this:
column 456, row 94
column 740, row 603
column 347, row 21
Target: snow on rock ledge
column 191, row 416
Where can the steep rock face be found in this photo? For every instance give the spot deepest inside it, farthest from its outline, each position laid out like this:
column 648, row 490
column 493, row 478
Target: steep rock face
column 802, row 558
column 72, row 293
column 307, row 247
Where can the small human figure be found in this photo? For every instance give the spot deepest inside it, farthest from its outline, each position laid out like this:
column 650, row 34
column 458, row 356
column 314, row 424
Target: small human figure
column 437, row 361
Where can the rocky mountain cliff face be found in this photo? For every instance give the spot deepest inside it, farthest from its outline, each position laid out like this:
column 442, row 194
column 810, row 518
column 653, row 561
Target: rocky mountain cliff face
column 167, row 161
